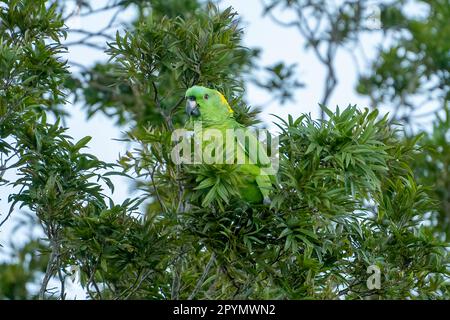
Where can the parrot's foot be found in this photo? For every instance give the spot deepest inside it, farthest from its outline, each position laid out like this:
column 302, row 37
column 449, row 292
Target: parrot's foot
column 267, row 201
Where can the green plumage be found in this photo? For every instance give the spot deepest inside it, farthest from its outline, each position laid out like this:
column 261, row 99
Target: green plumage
column 211, row 109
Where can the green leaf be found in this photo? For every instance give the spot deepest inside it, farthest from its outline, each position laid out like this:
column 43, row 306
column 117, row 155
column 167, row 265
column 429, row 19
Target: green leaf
column 81, row 143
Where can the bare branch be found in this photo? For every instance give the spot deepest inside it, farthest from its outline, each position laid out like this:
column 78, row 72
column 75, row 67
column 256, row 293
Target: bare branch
column 176, row 282
column 105, row 8
column 85, row 43
column 62, row 279
column 90, row 34
column 48, row 274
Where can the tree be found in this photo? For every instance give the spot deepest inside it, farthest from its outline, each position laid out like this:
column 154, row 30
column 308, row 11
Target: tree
column 409, row 75
column 347, row 196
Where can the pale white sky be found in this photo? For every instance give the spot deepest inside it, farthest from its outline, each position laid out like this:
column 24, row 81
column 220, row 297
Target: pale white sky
column 283, row 44
column 277, row 44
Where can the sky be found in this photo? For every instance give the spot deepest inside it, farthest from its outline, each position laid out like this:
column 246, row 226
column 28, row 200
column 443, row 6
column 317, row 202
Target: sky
column 277, row 44
column 285, row 44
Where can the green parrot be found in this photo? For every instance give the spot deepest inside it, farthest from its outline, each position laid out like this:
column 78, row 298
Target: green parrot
column 213, row 111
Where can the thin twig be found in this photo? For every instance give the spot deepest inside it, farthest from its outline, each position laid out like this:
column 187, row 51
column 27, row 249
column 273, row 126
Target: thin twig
column 62, row 279
column 161, row 203
column 92, row 280
column 176, row 280
column 9, row 214
column 175, row 107
column 349, row 288
column 105, row 8
column 202, row 278
column 136, row 288
column 84, row 43
column 91, row 34
column 48, row 274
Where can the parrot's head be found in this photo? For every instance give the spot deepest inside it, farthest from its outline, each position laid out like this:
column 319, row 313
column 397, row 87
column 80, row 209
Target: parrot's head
column 207, row 104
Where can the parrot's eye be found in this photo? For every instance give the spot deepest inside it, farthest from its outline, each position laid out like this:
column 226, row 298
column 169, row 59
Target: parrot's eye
column 206, row 96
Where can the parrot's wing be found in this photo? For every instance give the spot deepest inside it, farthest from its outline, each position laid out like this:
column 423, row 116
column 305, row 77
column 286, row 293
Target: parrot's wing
column 259, row 162
column 252, row 148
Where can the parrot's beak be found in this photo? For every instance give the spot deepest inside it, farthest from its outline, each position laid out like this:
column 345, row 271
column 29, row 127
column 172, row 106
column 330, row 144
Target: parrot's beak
column 192, row 107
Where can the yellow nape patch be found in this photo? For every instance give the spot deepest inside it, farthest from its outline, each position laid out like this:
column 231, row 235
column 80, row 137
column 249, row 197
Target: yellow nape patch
column 224, row 101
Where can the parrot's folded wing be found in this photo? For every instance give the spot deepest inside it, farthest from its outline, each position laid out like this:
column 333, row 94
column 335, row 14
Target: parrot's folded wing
column 253, row 148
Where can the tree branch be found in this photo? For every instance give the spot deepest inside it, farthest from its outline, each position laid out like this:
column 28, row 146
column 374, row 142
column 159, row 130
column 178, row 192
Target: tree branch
column 48, row 274
column 202, row 278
